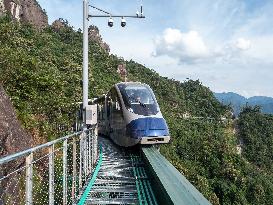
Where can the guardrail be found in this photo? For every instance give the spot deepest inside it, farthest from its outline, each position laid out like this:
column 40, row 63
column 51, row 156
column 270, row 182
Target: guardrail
column 51, row 173
column 172, row 187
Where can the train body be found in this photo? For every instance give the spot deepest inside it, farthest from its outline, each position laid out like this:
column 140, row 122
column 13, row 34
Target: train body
column 129, row 114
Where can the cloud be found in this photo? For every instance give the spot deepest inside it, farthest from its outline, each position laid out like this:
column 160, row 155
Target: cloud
column 234, row 40
column 187, row 47
column 235, row 51
column 261, row 49
column 243, row 44
column 190, row 47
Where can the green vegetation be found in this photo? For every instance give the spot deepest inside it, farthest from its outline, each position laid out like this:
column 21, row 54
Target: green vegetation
column 256, row 132
column 41, row 71
column 205, row 152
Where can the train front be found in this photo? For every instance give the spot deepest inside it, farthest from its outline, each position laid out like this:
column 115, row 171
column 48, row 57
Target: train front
column 144, row 120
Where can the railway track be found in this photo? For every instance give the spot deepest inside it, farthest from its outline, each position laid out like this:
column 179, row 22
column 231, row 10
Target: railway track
column 122, row 177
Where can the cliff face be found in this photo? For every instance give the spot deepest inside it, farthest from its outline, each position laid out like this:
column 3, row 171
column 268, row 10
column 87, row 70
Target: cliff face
column 29, row 11
column 26, row 11
column 12, row 139
column 94, row 34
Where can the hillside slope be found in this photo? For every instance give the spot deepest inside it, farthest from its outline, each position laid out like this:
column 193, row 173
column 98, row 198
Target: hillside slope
column 41, row 71
column 256, row 132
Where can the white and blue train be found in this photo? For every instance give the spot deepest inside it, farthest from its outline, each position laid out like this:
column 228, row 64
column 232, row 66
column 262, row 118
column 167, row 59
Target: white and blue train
column 130, row 115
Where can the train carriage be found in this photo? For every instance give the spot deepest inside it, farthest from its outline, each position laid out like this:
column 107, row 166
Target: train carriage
column 130, row 115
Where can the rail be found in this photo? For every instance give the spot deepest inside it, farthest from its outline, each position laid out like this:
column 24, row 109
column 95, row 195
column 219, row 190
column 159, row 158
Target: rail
column 52, row 173
column 70, row 170
column 138, row 176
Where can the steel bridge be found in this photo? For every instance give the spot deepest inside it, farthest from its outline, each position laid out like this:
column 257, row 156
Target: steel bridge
column 83, row 168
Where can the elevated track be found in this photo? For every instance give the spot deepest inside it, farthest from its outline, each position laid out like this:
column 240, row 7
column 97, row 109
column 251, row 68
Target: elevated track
column 140, row 176
column 121, row 179
column 72, row 170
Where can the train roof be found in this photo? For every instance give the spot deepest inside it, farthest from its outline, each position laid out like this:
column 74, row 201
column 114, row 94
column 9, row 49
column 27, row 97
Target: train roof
column 130, row 83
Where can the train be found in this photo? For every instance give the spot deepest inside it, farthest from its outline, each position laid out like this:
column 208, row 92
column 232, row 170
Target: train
column 129, row 114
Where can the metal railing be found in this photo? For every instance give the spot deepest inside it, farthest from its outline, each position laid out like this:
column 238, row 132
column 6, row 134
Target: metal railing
column 51, row 173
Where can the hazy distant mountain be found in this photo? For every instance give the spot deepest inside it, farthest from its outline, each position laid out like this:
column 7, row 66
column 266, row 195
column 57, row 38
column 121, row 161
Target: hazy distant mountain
column 237, row 101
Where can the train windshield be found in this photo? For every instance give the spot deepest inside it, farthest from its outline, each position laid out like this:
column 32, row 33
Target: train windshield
column 139, row 98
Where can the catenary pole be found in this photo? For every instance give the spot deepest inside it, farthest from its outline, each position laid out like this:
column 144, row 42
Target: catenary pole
column 86, row 17
column 85, row 59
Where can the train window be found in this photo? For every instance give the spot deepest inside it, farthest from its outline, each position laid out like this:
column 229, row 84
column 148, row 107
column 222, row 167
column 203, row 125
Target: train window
column 101, row 112
column 108, row 106
column 100, row 103
column 102, row 108
column 139, row 98
column 115, row 101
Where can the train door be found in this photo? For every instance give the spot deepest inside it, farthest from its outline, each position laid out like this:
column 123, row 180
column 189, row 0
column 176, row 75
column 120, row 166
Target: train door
column 116, row 116
column 101, row 119
column 108, row 113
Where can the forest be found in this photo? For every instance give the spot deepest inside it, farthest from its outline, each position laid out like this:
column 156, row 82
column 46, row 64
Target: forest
column 41, row 71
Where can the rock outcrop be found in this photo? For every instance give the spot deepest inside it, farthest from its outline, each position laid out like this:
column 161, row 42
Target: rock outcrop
column 94, row 34
column 59, row 24
column 12, row 139
column 27, row 11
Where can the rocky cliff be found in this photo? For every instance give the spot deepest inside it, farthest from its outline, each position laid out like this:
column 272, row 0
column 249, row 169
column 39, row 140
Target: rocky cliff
column 94, row 34
column 27, row 11
column 12, row 139
column 12, row 136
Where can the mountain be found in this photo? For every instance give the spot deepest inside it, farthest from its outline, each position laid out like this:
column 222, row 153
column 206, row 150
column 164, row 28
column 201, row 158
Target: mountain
column 237, row 102
column 41, row 74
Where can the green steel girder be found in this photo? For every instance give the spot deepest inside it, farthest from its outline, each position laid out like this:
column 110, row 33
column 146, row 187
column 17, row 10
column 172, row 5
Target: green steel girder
column 171, row 186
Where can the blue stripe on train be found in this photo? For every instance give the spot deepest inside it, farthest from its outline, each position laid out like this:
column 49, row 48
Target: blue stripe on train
column 145, row 127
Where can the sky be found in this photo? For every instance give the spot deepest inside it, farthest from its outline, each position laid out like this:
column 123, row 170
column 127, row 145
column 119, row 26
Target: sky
column 226, row 44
